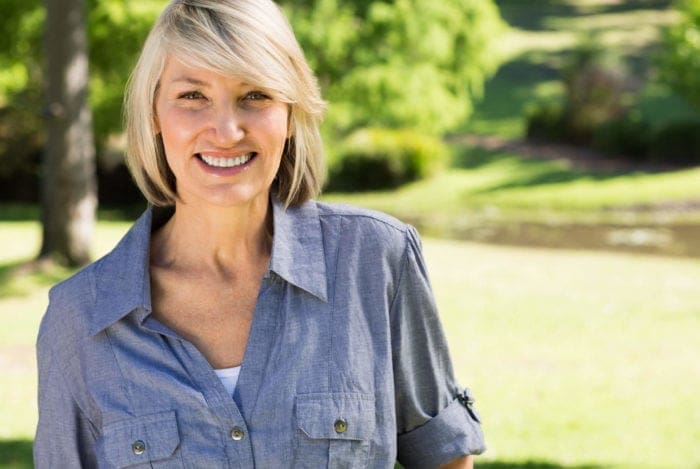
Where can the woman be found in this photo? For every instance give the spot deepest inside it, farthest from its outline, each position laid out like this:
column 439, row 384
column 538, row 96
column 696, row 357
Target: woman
column 239, row 323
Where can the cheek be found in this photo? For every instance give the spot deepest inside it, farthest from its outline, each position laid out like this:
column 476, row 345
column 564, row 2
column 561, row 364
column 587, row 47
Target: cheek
column 277, row 127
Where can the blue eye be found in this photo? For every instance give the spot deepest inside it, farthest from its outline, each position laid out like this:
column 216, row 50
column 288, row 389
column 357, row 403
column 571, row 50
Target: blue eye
column 191, row 95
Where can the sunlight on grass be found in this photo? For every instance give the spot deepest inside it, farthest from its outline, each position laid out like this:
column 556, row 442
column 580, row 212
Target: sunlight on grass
column 23, row 299
column 594, row 194
column 517, row 41
column 588, row 352
column 510, row 185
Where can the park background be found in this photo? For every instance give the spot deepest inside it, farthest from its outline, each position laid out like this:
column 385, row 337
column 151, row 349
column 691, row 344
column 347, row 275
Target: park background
column 548, row 152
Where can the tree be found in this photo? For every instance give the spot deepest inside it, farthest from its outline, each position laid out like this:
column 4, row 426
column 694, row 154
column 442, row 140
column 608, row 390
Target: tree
column 402, row 63
column 679, row 62
column 69, row 195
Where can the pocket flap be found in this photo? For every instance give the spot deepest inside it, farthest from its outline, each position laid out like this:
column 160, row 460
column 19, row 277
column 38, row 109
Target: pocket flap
column 336, row 416
column 143, row 439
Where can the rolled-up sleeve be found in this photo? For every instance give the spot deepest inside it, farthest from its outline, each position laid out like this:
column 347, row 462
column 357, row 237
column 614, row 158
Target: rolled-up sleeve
column 64, row 437
column 436, row 419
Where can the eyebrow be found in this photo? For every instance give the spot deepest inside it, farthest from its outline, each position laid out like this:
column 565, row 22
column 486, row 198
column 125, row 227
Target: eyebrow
column 189, row 80
column 197, row 82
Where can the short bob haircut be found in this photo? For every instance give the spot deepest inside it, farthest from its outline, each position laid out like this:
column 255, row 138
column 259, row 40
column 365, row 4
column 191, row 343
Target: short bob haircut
column 247, row 39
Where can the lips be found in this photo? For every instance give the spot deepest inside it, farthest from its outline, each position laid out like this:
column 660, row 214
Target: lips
column 224, row 162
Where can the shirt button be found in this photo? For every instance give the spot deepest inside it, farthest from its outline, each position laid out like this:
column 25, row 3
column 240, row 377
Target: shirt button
column 138, row 447
column 237, row 433
column 340, row 426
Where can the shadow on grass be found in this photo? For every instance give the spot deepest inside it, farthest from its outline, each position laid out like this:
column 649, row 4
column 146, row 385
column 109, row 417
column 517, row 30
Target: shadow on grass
column 110, row 212
column 534, row 16
column 531, row 465
column 512, row 87
column 19, row 278
column 525, row 172
column 19, row 212
column 16, row 454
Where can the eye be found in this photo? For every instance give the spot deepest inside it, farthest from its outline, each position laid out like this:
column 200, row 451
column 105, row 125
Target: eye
column 191, row 95
column 257, row 96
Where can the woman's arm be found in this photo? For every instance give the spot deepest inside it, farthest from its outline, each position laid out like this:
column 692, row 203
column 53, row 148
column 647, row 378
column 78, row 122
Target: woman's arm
column 64, row 437
column 465, row 462
column 435, row 420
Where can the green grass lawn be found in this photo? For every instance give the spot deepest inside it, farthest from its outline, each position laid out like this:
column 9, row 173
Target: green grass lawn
column 578, row 359
column 504, row 187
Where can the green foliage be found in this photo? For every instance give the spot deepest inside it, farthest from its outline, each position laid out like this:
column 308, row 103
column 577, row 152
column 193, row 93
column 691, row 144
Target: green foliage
column 545, row 122
column 22, row 24
column 596, row 91
column 629, row 136
column 116, row 30
column 596, row 88
column 679, row 62
column 678, row 142
column 596, row 108
column 21, row 142
column 406, row 63
column 384, row 158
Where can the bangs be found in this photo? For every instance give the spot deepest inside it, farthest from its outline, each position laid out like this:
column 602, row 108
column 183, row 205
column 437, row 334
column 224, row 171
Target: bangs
column 198, row 38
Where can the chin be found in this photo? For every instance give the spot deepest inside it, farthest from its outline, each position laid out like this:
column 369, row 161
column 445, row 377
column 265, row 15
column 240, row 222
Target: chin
column 228, row 197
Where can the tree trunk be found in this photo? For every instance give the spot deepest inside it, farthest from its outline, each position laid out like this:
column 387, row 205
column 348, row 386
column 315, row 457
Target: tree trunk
column 69, row 196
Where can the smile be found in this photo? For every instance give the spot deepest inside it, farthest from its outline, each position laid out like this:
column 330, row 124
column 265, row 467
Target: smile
column 226, row 162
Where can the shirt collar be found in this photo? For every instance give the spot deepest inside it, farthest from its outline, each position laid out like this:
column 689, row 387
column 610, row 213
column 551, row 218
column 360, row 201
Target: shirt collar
column 123, row 279
column 297, row 247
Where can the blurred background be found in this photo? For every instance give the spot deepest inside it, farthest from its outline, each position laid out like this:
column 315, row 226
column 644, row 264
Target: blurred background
column 548, row 151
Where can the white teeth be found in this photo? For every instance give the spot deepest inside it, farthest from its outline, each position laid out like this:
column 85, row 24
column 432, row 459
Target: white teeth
column 226, row 162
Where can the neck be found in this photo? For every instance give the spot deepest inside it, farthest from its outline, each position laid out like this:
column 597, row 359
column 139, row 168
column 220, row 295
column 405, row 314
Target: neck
column 215, row 239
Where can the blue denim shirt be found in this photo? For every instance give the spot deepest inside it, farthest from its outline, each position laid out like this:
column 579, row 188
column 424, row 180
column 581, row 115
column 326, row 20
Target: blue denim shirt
column 346, row 363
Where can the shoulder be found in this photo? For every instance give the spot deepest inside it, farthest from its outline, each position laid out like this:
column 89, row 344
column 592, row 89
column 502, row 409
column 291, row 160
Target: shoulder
column 363, row 219
column 372, row 236
column 66, row 320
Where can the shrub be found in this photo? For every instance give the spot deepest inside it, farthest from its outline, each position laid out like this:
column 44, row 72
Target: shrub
column 378, row 158
column 627, row 136
column 21, row 146
column 596, row 91
column 545, row 122
column 677, row 143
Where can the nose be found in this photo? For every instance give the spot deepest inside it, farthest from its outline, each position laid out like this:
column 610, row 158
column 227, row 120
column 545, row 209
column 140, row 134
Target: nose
column 227, row 127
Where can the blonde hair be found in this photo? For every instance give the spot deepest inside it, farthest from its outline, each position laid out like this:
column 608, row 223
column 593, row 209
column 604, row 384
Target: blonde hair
column 249, row 39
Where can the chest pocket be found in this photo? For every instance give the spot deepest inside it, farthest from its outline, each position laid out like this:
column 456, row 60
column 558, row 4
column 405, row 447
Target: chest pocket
column 145, row 441
column 334, row 429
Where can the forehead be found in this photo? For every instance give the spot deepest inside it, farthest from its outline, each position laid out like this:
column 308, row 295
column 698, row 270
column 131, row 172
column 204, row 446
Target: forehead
column 177, row 70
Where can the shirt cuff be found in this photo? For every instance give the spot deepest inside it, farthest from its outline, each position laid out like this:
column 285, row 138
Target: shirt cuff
column 453, row 433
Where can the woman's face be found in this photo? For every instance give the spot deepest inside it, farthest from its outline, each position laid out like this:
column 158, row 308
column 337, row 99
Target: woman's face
column 223, row 138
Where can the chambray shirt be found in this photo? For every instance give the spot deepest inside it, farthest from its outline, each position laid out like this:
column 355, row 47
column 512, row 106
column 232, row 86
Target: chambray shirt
column 346, row 363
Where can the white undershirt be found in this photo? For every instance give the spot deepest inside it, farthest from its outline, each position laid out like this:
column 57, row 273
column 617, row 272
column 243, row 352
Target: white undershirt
column 229, row 378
